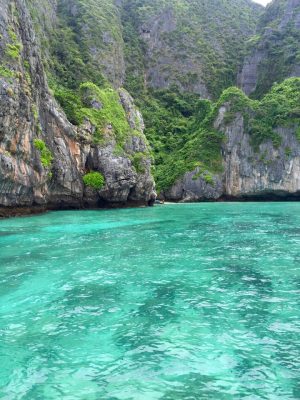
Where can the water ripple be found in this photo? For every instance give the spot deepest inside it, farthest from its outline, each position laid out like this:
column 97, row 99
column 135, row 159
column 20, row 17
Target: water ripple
column 189, row 302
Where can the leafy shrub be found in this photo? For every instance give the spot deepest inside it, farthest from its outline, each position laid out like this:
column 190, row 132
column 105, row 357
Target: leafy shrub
column 209, row 179
column 45, row 153
column 6, row 72
column 71, row 104
column 94, row 180
column 13, row 50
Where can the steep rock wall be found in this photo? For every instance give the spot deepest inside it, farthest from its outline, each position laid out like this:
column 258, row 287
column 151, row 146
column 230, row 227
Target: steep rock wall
column 274, row 53
column 190, row 44
column 270, row 171
column 95, row 27
column 28, row 112
column 248, row 172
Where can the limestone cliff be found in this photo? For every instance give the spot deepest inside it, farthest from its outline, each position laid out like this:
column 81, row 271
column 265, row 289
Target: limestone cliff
column 195, row 45
column 274, row 52
column 81, row 36
column 258, row 148
column 71, row 135
column 271, row 173
column 253, row 167
column 43, row 157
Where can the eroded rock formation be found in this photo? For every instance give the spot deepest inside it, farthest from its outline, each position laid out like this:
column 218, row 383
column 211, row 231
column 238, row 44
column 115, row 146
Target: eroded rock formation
column 28, row 112
column 266, row 172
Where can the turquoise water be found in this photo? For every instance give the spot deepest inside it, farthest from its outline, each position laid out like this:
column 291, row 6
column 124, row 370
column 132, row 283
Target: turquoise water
column 196, row 301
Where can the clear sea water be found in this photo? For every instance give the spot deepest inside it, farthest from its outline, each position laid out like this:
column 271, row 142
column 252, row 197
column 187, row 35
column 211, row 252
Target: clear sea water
column 195, row 301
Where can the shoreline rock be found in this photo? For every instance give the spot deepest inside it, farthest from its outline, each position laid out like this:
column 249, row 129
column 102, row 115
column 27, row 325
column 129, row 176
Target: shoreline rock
column 43, row 157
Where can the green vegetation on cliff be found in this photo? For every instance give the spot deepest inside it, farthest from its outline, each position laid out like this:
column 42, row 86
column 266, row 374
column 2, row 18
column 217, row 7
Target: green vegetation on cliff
column 172, row 119
column 101, row 106
column 201, row 146
column 81, row 41
column 283, row 52
column 83, row 55
column 278, row 40
column 45, row 153
column 196, row 45
column 179, row 60
column 279, row 107
column 6, row 72
column 94, row 180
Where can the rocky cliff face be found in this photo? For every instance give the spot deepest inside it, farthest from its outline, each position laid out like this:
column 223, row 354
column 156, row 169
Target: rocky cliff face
column 43, row 157
column 274, row 53
column 252, row 168
column 265, row 172
column 71, row 136
column 196, row 45
column 269, row 172
column 86, row 34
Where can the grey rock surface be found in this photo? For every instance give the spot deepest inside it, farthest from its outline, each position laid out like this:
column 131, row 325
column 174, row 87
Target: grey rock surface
column 268, row 172
column 273, row 39
column 28, row 112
